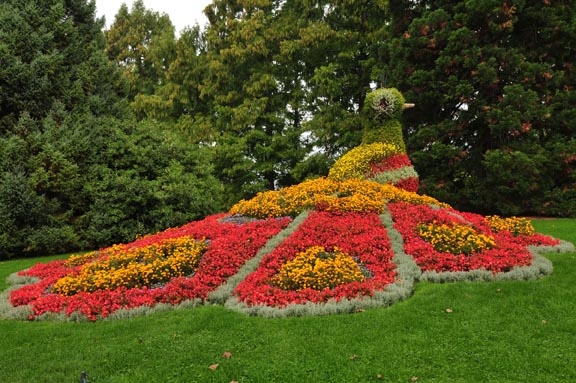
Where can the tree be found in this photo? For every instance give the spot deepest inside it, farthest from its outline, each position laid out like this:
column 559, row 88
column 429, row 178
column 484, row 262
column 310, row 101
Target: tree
column 257, row 139
column 493, row 128
column 340, row 43
column 142, row 42
column 275, row 86
column 82, row 182
column 76, row 170
column 53, row 51
column 285, row 82
column 146, row 179
column 52, row 63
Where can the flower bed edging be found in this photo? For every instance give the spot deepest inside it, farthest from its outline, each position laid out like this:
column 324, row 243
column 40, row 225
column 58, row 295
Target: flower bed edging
column 224, row 292
column 539, row 267
column 562, row 247
column 7, row 311
column 402, row 288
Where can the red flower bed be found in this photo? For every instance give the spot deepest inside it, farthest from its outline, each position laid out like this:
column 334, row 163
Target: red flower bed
column 535, row 239
column 361, row 235
column 411, row 184
column 509, row 251
column 230, row 246
column 393, row 162
column 467, row 242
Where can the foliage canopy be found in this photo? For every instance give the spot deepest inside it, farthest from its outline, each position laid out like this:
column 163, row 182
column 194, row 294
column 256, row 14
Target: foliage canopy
column 105, row 135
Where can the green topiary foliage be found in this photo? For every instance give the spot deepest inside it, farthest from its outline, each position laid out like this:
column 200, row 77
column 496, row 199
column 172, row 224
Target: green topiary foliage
column 385, row 106
column 390, row 131
column 386, row 103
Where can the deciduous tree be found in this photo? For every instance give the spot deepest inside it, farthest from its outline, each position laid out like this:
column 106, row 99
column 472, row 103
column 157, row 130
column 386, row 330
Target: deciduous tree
column 142, row 42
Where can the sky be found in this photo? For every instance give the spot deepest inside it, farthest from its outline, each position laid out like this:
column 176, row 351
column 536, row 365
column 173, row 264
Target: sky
column 182, row 13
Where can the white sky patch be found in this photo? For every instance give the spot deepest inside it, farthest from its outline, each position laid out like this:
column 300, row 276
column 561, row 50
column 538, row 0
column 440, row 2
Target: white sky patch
column 182, row 13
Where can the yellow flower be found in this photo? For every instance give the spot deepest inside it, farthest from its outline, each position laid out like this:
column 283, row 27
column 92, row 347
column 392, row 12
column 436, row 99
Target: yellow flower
column 516, row 226
column 455, row 239
column 121, row 266
column 356, row 162
column 348, row 195
column 318, row 269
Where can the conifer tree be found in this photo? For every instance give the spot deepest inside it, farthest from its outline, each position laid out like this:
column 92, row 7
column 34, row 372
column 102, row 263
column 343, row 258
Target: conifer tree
column 52, row 51
column 341, row 42
column 76, row 171
column 493, row 83
column 253, row 116
column 52, row 65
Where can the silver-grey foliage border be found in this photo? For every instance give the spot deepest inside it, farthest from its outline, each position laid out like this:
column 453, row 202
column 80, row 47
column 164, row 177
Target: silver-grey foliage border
column 7, row 311
column 408, row 273
column 401, row 289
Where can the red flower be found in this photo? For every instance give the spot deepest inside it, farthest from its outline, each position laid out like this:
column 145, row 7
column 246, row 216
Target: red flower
column 508, row 252
column 231, row 245
column 361, row 235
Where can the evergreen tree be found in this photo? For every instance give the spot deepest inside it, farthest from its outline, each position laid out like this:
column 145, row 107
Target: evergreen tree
column 145, row 179
column 493, row 82
column 52, row 64
column 53, row 51
column 76, row 172
column 340, row 45
column 286, row 81
column 257, row 138
column 184, row 77
column 275, row 86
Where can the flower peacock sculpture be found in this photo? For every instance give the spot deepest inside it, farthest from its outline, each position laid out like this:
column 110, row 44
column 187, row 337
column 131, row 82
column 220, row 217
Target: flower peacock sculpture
column 382, row 155
column 357, row 239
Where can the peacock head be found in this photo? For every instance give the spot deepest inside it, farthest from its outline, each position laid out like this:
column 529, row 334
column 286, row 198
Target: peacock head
column 386, row 103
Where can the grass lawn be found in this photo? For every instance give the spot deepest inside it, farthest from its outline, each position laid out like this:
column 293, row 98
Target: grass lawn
column 461, row 332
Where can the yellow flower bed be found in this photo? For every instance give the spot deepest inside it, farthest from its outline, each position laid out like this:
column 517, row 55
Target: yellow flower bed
column 80, row 259
column 289, row 201
column 327, row 194
column 318, row 269
column 455, row 239
column 119, row 266
column 515, row 225
column 356, row 162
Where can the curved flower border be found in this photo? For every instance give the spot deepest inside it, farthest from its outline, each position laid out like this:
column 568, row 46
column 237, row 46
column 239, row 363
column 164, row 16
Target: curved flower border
column 509, row 251
column 244, row 253
column 361, row 235
column 230, row 246
column 405, row 273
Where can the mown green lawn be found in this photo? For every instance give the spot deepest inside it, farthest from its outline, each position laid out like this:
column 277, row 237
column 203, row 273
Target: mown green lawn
column 461, row 332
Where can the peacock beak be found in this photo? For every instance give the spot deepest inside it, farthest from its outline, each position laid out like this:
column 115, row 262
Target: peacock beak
column 408, row 106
